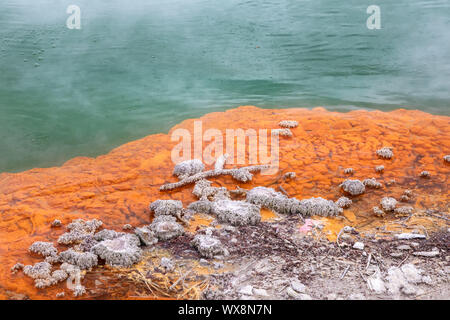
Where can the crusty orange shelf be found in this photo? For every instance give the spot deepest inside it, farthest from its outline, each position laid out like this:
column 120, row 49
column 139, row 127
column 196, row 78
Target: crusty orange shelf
column 118, row 187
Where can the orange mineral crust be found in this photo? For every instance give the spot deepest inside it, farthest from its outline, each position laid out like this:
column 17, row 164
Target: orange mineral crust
column 117, row 188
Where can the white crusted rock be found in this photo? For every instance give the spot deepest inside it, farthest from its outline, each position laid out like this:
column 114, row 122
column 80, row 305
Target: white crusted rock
column 166, row 227
column 208, row 246
column 388, row 204
column 353, row 187
column 372, row 183
column 237, row 213
column 119, row 252
column 344, row 202
column 146, row 235
column 188, row 168
column 83, row 260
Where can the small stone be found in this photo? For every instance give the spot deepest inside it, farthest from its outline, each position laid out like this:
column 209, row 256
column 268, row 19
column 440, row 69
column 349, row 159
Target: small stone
column 409, row 236
column 293, row 294
column 376, row 284
column 427, row 254
column 127, row 227
column 260, row 292
column 396, row 254
column 60, row 295
column 404, row 247
column 246, row 290
column 447, row 158
column 358, row 246
column 379, row 169
column 298, row 286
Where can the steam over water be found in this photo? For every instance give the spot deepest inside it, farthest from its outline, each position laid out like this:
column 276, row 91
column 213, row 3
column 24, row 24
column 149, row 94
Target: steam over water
column 139, row 67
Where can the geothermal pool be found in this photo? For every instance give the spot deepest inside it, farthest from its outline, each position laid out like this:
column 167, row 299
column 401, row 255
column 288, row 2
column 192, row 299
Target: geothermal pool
column 137, row 70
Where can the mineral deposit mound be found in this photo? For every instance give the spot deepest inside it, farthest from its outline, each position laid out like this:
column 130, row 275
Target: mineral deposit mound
column 220, row 222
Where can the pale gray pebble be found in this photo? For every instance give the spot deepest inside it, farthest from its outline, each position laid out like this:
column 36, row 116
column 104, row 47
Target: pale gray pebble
column 379, row 169
column 60, row 295
column 298, row 286
column 447, row 158
column 353, row 187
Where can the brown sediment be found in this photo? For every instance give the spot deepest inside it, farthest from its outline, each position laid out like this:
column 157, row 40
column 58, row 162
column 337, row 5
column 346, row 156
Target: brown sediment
column 118, row 187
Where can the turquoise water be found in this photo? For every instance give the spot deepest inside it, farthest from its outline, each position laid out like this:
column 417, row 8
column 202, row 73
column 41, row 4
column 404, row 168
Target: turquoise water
column 139, row 67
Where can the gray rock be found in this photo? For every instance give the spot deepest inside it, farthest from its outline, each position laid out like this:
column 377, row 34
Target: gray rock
column 166, row 227
column 208, row 246
column 237, row 213
column 353, row 187
column 246, row 290
column 83, row 260
column 119, row 252
column 146, row 236
column 388, row 204
column 298, row 286
column 260, row 292
column 188, row 168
